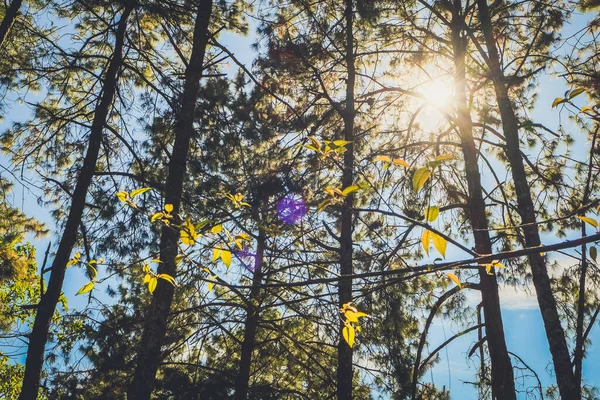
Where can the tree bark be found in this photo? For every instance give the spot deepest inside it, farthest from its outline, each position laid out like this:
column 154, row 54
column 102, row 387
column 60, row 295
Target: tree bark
column 155, row 326
column 251, row 325
column 503, row 384
column 344, row 371
column 48, row 302
column 541, row 280
column 9, row 19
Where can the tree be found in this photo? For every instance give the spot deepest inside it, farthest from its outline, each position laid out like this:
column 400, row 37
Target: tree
column 156, row 320
column 47, row 305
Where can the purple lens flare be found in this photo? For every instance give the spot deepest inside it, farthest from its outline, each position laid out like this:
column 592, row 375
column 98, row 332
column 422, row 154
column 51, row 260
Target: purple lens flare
column 291, row 209
column 248, row 259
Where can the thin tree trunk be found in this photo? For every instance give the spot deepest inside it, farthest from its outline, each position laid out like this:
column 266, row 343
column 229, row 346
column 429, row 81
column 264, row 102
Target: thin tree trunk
column 344, row 371
column 579, row 341
column 243, row 378
column 503, row 384
column 48, row 302
column 155, row 326
column 9, row 19
column 541, row 281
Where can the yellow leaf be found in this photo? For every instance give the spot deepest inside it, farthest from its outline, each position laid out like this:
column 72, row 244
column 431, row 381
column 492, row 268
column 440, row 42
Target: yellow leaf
column 167, row 278
column 576, row 92
column 557, row 101
column 353, row 316
column 589, row 220
column 216, row 253
column 152, row 284
column 156, row 216
column 92, row 271
column 454, row 279
column 420, row 177
column 350, row 189
column 399, row 161
column 122, row 196
column 385, row 159
column 169, row 208
column 212, row 282
column 137, row 192
column 86, row 288
column 585, row 109
column 323, row 205
column 188, row 234
column 425, row 239
column 348, row 333
column 432, row 213
column 444, row 157
column 217, row 229
column 439, row 243
column 226, row 257
column 72, row 261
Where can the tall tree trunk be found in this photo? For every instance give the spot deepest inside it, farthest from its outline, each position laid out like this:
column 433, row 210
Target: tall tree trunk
column 243, row 378
column 541, row 281
column 48, row 302
column 9, row 19
column 344, row 371
column 579, row 341
column 503, row 384
column 155, row 326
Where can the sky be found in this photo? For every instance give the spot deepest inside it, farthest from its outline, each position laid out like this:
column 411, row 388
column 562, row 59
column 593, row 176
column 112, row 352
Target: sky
column 523, row 325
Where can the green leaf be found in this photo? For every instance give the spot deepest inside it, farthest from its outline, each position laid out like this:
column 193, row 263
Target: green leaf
column 137, row 192
column 86, row 288
column 348, row 333
column 593, row 253
column 589, row 220
column 420, row 177
column 576, row 92
column 432, row 213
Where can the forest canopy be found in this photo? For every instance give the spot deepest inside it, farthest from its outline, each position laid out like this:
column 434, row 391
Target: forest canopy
column 328, row 199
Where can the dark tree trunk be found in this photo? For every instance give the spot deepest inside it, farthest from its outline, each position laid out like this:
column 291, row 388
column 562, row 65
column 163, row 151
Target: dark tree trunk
column 9, row 19
column 344, row 371
column 503, row 384
column 155, row 326
column 243, row 378
column 541, row 281
column 48, row 302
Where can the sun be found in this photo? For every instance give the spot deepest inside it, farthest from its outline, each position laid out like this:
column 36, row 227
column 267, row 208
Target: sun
column 438, row 92
column 437, row 96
